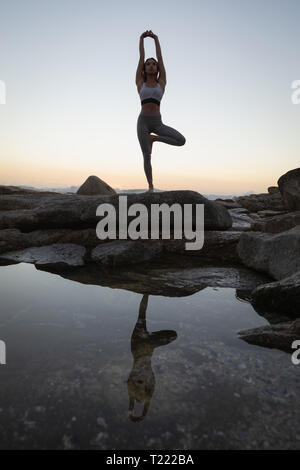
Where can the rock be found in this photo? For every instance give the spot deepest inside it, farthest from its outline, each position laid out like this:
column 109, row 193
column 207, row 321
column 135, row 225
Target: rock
column 277, row 224
column 240, row 211
column 219, row 276
column 56, row 255
column 228, row 203
column 85, row 237
column 282, row 297
column 79, row 212
column 273, row 190
column 163, row 276
column 124, row 252
column 271, row 317
column 93, row 186
column 241, row 221
column 280, row 336
column 244, row 295
column 259, row 202
column 218, row 246
column 269, row 213
column 289, row 186
column 14, row 239
column 18, row 190
column 216, row 217
column 278, row 255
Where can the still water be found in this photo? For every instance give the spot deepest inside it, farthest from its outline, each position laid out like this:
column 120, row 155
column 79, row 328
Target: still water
column 91, row 367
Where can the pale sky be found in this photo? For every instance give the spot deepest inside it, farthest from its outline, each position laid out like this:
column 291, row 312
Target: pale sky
column 72, row 104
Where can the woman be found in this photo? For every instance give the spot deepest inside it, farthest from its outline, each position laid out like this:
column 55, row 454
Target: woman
column 141, row 381
column 151, row 82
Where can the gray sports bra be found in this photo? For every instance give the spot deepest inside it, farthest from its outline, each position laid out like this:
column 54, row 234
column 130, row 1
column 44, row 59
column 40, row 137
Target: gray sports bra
column 151, row 95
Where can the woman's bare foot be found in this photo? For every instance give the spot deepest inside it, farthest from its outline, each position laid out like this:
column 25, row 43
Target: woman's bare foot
column 150, row 190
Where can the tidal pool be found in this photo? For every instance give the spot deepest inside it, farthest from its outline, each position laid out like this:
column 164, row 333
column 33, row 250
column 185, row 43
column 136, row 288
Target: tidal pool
column 91, row 367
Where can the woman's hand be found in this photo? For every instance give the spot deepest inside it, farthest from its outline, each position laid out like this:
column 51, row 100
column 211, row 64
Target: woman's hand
column 145, row 34
column 152, row 35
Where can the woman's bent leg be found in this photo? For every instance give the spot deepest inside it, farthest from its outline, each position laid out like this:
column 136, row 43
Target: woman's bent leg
column 168, row 135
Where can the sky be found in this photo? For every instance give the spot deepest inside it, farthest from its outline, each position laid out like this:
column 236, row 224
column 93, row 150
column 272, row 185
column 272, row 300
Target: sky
column 72, row 103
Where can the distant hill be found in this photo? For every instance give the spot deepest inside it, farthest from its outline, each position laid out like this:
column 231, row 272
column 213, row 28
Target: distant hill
column 67, row 189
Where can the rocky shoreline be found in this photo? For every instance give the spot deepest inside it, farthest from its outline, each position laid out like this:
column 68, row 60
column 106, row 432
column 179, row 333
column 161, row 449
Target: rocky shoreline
column 251, row 243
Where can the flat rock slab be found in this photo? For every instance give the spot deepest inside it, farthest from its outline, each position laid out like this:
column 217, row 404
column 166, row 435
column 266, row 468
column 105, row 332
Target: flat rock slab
column 218, row 245
column 277, row 224
column 123, row 252
column 58, row 254
column 14, row 239
column 238, row 278
column 158, row 278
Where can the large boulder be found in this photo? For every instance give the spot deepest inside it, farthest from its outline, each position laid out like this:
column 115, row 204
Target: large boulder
column 76, row 211
column 278, row 255
column 289, row 186
column 216, row 217
column 93, row 186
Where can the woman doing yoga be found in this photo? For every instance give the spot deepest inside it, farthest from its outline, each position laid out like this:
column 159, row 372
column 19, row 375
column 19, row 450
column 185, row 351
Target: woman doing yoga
column 151, row 82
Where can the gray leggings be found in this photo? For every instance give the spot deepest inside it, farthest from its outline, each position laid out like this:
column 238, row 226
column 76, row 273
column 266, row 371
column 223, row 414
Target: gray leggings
column 151, row 122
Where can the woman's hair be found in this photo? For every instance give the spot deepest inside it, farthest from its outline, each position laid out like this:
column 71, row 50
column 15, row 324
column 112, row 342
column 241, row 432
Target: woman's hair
column 144, row 69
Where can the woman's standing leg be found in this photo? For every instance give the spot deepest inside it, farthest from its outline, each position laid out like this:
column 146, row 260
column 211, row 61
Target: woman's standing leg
column 143, row 133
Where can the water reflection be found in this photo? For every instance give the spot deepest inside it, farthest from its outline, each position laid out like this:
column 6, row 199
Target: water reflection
column 141, row 380
column 63, row 384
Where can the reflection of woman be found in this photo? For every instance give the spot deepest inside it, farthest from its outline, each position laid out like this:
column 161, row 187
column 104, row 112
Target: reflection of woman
column 141, row 381
column 151, row 88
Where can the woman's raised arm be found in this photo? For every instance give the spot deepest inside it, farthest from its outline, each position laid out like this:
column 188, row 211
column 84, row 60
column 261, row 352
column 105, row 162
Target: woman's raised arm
column 140, row 66
column 162, row 70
